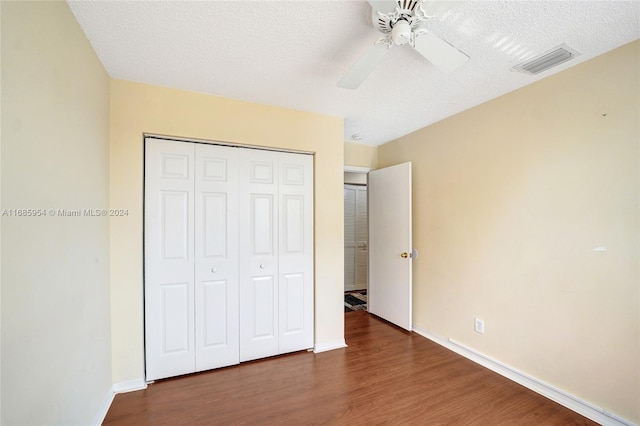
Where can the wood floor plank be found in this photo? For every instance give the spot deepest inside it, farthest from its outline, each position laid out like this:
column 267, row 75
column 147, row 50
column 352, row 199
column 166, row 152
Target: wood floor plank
column 386, row 376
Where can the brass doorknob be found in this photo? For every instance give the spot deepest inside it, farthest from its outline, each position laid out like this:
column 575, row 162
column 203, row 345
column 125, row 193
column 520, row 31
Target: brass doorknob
column 404, row 255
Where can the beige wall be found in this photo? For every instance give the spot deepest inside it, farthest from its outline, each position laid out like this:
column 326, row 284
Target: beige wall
column 56, row 353
column 357, row 154
column 510, row 198
column 138, row 108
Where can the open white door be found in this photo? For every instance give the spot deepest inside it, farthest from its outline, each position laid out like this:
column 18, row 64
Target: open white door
column 390, row 244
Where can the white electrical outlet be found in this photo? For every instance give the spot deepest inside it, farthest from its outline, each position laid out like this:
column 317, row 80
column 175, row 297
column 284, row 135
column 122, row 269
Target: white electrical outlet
column 478, row 325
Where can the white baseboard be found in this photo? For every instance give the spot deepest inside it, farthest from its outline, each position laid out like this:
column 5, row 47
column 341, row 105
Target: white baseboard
column 129, row 386
column 121, row 387
column 572, row 402
column 104, row 407
column 329, row 346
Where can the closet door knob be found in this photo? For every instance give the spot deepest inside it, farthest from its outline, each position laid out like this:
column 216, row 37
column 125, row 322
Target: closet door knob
column 214, row 270
column 261, row 266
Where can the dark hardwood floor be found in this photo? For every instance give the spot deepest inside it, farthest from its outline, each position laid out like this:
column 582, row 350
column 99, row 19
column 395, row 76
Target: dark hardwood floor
column 385, row 377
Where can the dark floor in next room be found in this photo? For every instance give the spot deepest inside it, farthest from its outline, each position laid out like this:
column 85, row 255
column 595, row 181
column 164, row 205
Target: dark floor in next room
column 355, row 300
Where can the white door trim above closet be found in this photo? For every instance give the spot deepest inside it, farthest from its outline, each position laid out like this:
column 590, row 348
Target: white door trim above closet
column 220, row 143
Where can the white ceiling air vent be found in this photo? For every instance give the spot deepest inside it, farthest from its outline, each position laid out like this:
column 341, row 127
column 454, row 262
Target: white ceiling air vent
column 550, row 59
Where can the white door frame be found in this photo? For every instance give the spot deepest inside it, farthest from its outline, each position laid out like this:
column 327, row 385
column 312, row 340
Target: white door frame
column 356, row 169
column 360, row 243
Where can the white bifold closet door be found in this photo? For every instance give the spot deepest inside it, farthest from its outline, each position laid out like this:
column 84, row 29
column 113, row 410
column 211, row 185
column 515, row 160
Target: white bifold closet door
column 228, row 255
column 169, row 268
column 216, row 255
column 276, row 268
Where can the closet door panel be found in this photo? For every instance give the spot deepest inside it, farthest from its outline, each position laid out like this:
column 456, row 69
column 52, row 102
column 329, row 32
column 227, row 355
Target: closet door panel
column 169, row 275
column 292, row 296
column 215, row 333
column 174, row 321
column 261, row 212
column 214, row 231
column 258, row 254
column 262, row 295
column 216, row 257
column 295, row 284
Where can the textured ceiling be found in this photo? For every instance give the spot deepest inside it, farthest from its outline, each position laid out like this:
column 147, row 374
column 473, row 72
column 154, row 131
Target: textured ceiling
column 292, row 53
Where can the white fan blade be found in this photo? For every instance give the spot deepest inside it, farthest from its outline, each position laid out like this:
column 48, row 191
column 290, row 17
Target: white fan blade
column 384, row 6
column 440, row 53
column 363, row 67
column 438, row 7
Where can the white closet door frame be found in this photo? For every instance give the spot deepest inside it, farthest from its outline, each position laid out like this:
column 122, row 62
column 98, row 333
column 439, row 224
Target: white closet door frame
column 350, row 238
column 356, row 243
column 362, row 239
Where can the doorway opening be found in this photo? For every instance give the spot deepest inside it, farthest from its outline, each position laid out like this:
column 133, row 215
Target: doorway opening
column 356, row 241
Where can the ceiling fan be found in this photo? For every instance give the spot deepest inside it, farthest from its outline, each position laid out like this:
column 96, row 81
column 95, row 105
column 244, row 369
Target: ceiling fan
column 403, row 22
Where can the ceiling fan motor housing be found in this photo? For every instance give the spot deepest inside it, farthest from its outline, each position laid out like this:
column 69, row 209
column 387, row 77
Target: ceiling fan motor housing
column 409, row 11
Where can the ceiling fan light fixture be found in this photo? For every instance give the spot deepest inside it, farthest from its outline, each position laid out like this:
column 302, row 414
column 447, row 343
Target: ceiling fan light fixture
column 401, row 32
column 547, row 60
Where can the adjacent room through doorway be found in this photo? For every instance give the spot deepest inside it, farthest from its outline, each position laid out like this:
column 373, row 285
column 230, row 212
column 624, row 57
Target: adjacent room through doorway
column 356, row 241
